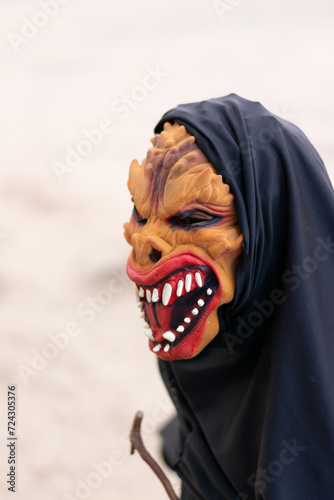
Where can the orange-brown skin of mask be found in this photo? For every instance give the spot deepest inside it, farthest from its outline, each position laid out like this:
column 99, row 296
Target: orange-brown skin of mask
column 176, row 177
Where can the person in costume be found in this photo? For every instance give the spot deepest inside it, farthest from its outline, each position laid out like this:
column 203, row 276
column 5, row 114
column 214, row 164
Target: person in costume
column 233, row 257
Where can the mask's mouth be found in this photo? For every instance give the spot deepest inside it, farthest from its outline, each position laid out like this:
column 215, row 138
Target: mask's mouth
column 176, row 297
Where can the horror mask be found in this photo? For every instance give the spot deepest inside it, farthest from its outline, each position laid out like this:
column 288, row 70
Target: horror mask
column 186, row 244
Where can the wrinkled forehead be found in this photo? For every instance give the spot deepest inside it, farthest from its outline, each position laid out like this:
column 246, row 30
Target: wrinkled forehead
column 174, row 174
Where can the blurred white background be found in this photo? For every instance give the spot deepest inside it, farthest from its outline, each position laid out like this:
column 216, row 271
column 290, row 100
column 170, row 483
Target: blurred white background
column 71, row 337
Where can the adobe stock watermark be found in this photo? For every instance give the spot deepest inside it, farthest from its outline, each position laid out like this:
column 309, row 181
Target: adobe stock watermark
column 84, row 488
column 225, row 7
column 102, row 470
column 40, row 19
column 293, row 278
column 260, row 480
column 87, row 309
column 121, row 108
column 284, row 113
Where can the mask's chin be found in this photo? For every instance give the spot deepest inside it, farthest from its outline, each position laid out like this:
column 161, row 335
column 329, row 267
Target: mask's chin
column 179, row 300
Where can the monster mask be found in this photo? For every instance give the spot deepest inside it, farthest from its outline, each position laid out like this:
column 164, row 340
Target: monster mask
column 186, row 244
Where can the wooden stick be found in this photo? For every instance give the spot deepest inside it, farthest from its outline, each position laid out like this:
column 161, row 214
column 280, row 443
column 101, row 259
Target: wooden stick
column 137, row 443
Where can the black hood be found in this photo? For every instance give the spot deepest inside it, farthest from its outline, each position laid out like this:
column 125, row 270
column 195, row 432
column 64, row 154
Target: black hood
column 256, row 406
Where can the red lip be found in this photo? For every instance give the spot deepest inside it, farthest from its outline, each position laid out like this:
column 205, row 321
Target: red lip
column 161, row 270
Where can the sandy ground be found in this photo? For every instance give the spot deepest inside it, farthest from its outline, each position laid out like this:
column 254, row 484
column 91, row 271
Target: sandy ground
column 71, row 337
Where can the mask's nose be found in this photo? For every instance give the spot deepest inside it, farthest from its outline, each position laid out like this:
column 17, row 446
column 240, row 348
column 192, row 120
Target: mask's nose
column 155, row 255
column 149, row 249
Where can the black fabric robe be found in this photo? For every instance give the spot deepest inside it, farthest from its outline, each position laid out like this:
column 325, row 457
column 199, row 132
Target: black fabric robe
column 256, row 407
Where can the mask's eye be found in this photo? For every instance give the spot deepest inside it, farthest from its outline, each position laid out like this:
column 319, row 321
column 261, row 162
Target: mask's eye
column 192, row 217
column 137, row 216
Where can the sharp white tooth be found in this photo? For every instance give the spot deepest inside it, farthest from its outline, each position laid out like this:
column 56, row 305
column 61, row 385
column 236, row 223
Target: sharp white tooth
column 179, row 288
column 200, row 302
column 142, row 315
column 155, row 295
column 188, row 283
column 146, row 325
column 209, row 291
column 140, row 305
column 198, row 279
column 194, row 311
column 148, row 333
column 167, row 347
column 141, row 292
column 180, row 329
column 170, row 336
column 148, row 295
column 157, row 348
column 187, row 320
column 166, row 294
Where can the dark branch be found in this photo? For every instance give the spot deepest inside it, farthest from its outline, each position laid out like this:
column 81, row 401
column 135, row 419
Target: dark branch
column 137, row 444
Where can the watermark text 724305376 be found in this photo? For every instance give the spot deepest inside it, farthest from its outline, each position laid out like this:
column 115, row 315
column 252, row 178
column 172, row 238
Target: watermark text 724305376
column 11, row 438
